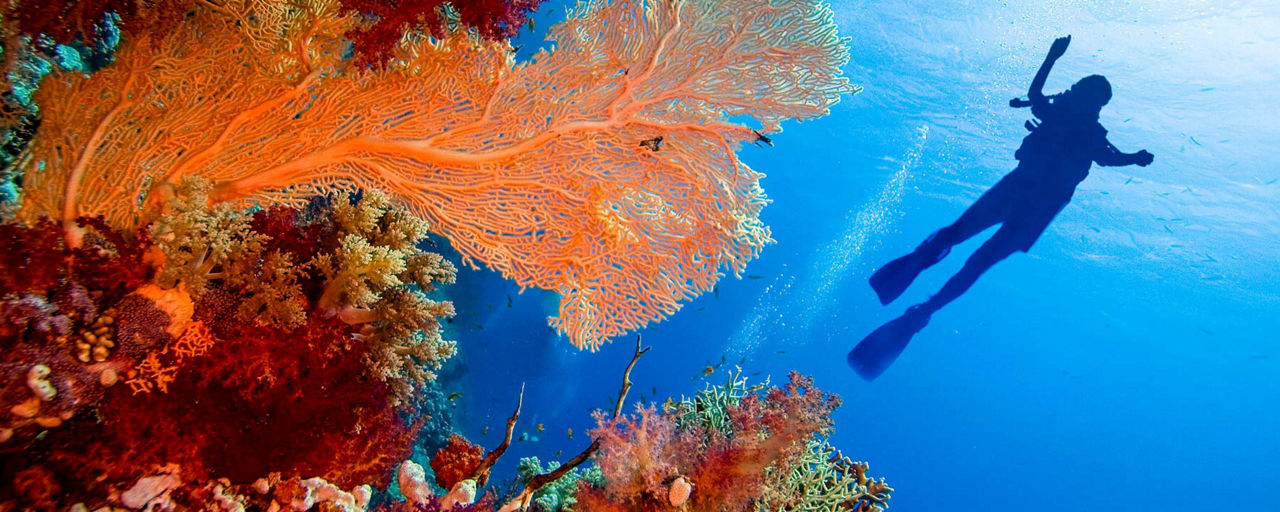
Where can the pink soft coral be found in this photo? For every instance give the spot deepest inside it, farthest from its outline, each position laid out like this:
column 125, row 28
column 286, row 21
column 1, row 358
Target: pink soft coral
column 640, row 456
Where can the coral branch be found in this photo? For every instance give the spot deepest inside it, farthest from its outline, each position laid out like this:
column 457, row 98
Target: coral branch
column 522, row 501
column 481, row 476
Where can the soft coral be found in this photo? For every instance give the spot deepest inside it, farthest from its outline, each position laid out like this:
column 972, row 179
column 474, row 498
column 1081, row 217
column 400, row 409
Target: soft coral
column 31, row 258
column 641, row 456
column 492, row 19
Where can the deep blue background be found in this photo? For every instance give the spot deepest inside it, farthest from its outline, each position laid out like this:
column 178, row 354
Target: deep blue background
column 1129, row 362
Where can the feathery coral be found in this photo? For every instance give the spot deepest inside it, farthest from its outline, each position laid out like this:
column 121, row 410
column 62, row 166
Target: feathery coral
column 534, row 170
column 742, row 450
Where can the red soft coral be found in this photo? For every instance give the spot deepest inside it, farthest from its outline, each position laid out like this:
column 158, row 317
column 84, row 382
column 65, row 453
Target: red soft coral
column 287, row 234
column 109, row 261
column 65, row 21
column 496, row 19
column 456, row 462
column 492, row 19
column 636, row 456
column 640, row 456
column 36, row 259
column 31, row 258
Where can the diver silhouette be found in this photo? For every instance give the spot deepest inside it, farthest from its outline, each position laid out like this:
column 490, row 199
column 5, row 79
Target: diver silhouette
column 1054, row 158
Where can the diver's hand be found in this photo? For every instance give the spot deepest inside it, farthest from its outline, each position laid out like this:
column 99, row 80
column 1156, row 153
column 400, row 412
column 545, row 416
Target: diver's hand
column 1059, row 47
column 1143, row 158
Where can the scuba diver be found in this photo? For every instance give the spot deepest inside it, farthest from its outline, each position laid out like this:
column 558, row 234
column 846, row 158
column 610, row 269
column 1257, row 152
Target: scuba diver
column 1054, row 158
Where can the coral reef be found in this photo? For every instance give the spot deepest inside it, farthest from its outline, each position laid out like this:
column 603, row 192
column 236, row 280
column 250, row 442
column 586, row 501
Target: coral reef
column 724, row 450
column 147, row 359
column 214, row 294
column 535, row 170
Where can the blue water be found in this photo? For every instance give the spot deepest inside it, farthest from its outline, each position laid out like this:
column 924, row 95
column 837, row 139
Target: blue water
column 1128, row 362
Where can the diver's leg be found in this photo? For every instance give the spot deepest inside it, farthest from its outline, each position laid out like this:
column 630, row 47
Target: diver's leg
column 1006, row 241
column 892, row 279
column 987, row 211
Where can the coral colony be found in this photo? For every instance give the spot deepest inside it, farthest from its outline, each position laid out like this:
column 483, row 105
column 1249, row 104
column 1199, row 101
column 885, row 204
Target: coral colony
column 213, row 292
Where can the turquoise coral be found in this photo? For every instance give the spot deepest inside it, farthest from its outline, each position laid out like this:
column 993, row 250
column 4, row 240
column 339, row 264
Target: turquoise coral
column 559, row 494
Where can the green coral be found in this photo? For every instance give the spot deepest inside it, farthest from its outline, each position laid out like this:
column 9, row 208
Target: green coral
column 377, row 275
column 557, row 495
column 377, row 252
column 357, row 273
column 823, row 480
column 201, row 242
column 710, row 407
column 272, row 293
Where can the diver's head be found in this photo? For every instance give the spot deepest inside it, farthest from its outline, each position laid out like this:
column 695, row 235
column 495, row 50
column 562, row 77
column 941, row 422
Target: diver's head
column 1092, row 90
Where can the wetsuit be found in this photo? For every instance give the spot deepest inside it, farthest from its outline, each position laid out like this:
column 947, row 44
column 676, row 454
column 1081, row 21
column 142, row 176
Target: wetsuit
column 1053, row 159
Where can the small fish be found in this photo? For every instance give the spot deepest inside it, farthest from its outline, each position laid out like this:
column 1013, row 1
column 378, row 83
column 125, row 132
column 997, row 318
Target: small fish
column 655, row 390
column 653, row 144
column 454, row 396
column 760, row 137
column 569, row 433
column 516, row 48
column 484, row 431
column 524, row 436
column 702, row 308
column 782, row 351
column 508, row 300
column 532, row 27
column 708, row 370
column 480, row 327
column 1196, row 142
column 1259, row 357
column 541, row 427
column 558, row 452
column 755, row 276
column 716, row 290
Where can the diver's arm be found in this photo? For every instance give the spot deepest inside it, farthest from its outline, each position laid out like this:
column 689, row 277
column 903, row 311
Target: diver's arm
column 1036, row 92
column 1112, row 157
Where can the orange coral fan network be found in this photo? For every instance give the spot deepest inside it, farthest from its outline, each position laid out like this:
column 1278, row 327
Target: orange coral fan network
column 535, row 170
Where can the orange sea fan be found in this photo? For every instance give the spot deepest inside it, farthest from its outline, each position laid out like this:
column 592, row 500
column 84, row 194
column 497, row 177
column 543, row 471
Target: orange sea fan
column 536, row 170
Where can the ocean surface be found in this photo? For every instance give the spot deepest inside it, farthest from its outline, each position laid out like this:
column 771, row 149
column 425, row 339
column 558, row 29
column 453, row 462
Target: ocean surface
column 1130, row 361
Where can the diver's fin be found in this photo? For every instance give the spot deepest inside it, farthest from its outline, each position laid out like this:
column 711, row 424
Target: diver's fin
column 873, row 355
column 892, row 279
